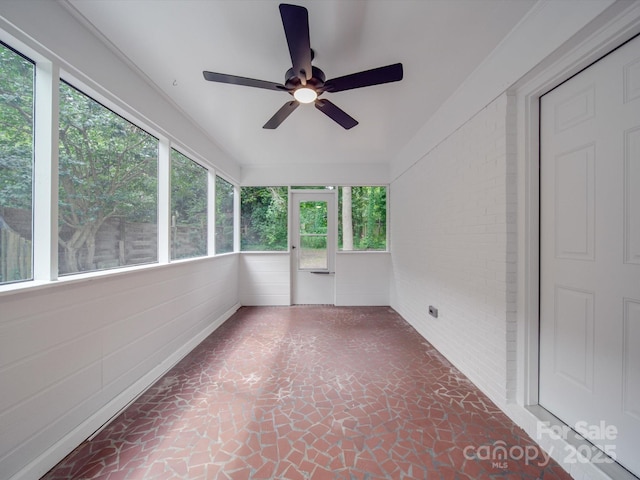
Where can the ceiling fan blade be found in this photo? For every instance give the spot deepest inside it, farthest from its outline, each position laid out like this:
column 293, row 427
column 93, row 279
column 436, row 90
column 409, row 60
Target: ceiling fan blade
column 336, row 114
column 295, row 20
column 375, row 76
column 281, row 115
column 246, row 82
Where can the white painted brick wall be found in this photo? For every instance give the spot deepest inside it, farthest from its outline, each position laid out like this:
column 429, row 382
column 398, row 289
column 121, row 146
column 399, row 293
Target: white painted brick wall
column 453, row 246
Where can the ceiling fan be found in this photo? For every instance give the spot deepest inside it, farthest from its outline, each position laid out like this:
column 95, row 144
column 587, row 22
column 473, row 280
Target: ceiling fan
column 305, row 82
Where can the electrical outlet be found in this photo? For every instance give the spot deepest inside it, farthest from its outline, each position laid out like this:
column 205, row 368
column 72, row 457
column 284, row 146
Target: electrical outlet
column 433, row 311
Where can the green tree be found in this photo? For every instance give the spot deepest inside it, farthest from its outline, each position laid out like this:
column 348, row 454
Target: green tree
column 225, row 193
column 347, row 219
column 313, row 224
column 368, row 217
column 188, row 206
column 16, row 129
column 107, row 167
column 16, row 164
column 264, row 218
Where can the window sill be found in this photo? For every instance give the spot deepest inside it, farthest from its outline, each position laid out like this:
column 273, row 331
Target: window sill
column 262, row 252
column 360, row 252
column 70, row 279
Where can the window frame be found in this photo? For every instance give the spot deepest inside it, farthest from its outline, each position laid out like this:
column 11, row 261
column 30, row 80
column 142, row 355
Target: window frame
column 49, row 72
column 207, row 214
column 236, row 215
column 34, row 84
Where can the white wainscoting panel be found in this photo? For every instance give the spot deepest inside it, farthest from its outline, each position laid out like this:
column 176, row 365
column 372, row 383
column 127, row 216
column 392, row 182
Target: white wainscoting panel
column 265, row 278
column 75, row 352
column 362, row 278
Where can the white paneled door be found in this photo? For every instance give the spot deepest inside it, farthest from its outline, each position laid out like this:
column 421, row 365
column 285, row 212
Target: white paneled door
column 314, row 247
column 590, row 253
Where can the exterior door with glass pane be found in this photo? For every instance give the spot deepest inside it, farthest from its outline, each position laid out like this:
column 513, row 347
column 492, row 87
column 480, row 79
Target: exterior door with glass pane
column 313, row 247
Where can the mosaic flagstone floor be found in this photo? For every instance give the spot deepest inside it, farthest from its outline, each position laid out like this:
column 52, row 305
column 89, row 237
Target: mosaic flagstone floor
column 310, row 393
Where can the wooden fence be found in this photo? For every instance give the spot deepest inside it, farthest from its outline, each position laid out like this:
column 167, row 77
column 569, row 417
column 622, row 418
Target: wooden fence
column 15, row 255
column 118, row 243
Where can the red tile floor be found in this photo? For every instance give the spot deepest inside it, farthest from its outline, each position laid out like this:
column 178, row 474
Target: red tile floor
column 311, row 392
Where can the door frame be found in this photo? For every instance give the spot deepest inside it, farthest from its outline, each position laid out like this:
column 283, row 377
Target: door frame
column 605, row 34
column 622, row 25
column 619, row 24
column 332, row 236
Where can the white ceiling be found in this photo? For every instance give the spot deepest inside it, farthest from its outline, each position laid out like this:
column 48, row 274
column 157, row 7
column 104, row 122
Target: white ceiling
column 439, row 42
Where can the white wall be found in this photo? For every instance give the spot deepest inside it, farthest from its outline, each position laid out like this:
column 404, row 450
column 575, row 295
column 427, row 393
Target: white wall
column 314, row 174
column 363, row 278
column 72, row 353
column 453, row 246
column 265, row 278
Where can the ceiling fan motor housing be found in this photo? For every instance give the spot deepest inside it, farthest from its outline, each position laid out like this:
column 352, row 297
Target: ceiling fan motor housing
column 316, row 81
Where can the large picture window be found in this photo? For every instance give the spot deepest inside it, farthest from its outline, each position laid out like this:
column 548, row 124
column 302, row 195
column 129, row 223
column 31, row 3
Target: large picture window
column 225, row 193
column 188, row 207
column 16, row 165
column 108, row 188
column 264, row 218
column 362, row 218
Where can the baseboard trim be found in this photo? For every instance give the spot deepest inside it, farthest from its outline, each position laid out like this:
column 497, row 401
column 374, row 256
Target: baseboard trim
column 100, row 419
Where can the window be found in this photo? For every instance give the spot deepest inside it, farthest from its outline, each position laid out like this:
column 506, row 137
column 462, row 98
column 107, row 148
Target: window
column 264, row 218
column 225, row 193
column 313, row 235
column 108, row 188
column 362, row 218
column 16, row 165
column 188, row 207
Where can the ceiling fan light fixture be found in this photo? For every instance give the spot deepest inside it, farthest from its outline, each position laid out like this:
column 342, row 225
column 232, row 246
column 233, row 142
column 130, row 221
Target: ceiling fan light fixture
column 305, row 95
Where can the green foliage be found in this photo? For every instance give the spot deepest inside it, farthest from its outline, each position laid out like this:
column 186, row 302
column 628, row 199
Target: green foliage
column 107, row 167
column 224, row 216
column 16, row 129
column 263, row 218
column 313, row 217
column 188, row 207
column 16, row 161
column 313, row 224
column 369, row 210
